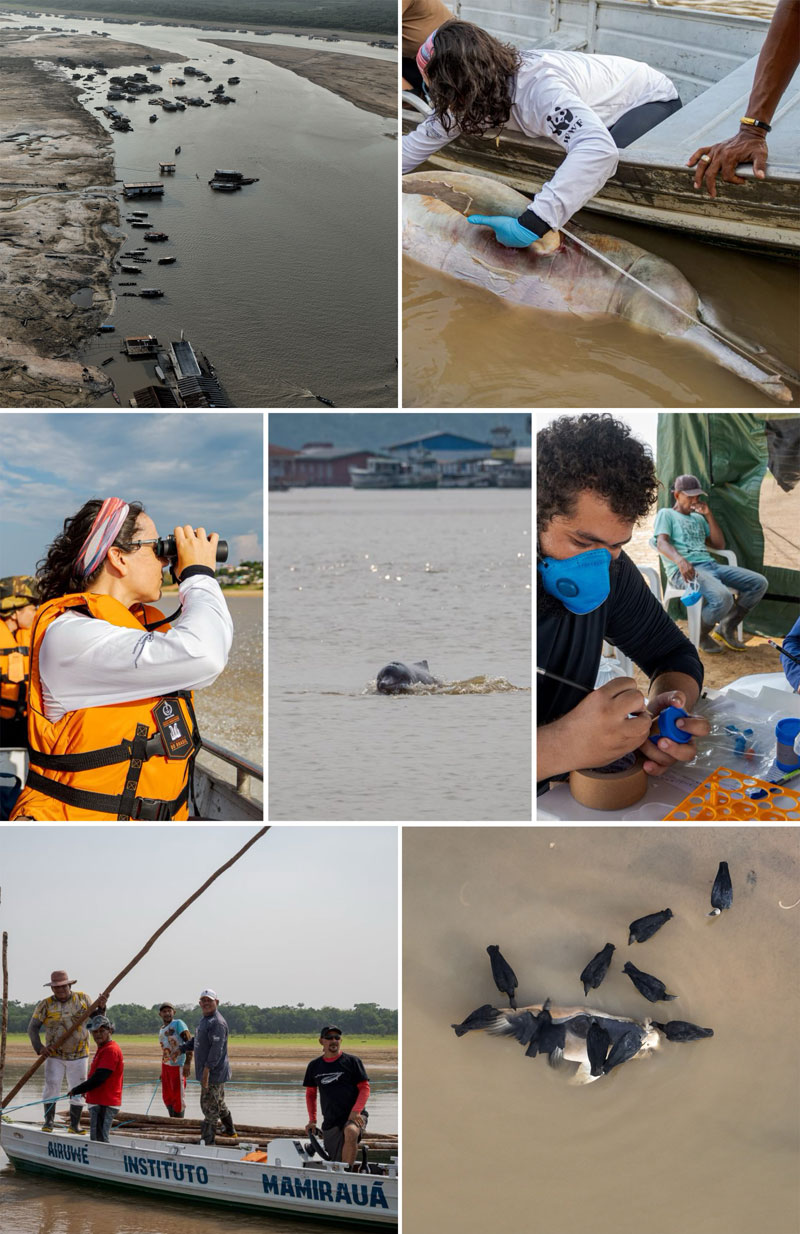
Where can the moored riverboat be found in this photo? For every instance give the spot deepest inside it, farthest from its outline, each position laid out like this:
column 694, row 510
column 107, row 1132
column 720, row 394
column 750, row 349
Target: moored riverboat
column 381, row 473
column 284, row 1180
column 151, row 293
column 711, row 58
column 167, row 261
column 156, row 236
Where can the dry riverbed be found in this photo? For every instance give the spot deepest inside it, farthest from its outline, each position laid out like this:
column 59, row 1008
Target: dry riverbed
column 58, row 208
column 369, row 84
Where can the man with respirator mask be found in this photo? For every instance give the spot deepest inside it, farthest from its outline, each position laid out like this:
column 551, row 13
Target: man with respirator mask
column 595, row 481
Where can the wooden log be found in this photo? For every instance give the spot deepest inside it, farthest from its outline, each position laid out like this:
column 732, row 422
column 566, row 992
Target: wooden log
column 190, row 1128
column 4, row 1024
column 102, row 998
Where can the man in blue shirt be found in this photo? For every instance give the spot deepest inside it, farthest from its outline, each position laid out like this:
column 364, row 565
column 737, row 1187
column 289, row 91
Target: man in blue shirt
column 212, row 1068
column 683, row 535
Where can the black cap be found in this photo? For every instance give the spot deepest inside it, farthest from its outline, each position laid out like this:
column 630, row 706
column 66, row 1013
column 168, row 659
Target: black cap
column 330, row 1028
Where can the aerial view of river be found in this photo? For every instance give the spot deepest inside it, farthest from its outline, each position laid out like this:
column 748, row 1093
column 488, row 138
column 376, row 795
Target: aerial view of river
column 360, row 578
column 288, row 286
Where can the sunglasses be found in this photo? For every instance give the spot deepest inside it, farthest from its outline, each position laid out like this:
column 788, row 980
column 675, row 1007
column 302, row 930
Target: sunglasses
column 332, row 1037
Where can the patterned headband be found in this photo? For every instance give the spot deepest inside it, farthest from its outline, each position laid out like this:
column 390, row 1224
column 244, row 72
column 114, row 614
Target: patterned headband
column 426, row 51
column 104, row 531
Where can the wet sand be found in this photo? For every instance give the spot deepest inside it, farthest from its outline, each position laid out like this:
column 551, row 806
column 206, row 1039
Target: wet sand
column 699, row 1137
column 369, row 84
column 58, row 204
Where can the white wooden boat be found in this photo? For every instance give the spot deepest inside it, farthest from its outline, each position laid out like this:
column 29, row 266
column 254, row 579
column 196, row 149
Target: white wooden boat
column 289, row 1182
column 711, row 58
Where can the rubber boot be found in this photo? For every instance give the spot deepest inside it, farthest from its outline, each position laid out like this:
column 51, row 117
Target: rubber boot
column 227, row 1124
column 49, row 1116
column 208, row 1131
column 707, row 643
column 726, row 629
column 75, row 1127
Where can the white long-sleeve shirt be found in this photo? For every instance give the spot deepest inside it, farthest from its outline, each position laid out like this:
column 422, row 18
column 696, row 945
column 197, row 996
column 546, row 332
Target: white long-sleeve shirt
column 90, row 663
column 572, row 98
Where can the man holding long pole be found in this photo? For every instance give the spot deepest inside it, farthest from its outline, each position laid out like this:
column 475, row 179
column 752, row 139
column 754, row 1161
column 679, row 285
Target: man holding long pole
column 68, row 1059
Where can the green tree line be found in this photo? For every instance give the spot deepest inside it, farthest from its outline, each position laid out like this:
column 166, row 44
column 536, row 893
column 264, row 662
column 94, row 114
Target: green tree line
column 379, row 16
column 243, row 1018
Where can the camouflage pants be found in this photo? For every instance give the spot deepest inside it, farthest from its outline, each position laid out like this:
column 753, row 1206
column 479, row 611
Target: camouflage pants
column 212, row 1102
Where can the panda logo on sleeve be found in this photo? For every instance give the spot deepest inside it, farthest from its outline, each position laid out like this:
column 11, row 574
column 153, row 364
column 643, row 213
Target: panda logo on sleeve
column 563, row 123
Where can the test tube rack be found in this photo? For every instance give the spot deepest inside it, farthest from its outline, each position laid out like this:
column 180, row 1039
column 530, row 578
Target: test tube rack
column 724, row 797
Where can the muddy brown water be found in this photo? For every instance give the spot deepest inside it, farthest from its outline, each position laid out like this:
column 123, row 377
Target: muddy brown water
column 465, row 347
column 700, row 1137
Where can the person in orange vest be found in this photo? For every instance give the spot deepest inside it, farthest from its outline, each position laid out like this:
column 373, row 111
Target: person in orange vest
column 17, row 611
column 112, row 732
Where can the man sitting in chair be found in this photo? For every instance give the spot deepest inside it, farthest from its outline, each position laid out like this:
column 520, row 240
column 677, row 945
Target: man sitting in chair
column 684, row 535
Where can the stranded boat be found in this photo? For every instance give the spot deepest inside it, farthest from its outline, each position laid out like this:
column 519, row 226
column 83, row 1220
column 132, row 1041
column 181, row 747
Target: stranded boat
column 284, row 1180
column 711, row 58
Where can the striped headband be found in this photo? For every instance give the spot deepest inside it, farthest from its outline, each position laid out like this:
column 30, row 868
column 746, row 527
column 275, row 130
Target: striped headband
column 426, row 51
column 104, row 531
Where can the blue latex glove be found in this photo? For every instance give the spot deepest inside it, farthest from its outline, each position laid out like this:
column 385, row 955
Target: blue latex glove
column 508, row 231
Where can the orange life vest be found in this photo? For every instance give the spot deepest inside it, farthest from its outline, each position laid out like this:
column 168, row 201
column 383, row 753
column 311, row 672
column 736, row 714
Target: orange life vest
column 107, row 762
column 13, row 692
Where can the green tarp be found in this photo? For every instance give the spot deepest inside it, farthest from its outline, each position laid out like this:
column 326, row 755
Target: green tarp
column 728, row 452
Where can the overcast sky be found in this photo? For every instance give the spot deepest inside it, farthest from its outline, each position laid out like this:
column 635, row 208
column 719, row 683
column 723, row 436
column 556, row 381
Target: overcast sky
column 308, row 915
column 199, row 468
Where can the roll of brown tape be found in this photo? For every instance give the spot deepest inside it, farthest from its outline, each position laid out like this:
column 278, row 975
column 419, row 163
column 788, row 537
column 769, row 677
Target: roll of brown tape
column 610, row 790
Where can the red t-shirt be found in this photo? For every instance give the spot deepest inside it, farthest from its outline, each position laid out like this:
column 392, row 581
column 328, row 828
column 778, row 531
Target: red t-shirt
column 107, row 1058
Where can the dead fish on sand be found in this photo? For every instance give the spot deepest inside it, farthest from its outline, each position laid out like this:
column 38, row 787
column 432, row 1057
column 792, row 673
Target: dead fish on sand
column 568, row 1034
column 568, row 279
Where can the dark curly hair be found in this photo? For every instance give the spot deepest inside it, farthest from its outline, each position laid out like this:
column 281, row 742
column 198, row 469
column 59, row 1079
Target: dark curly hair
column 594, row 452
column 56, row 573
column 470, row 78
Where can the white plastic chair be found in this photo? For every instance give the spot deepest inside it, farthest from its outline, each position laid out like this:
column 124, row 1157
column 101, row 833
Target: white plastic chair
column 625, row 662
column 413, row 102
column 694, row 611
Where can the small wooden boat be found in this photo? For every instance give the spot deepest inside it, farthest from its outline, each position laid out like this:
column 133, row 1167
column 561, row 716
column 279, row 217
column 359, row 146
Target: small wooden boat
column 156, row 236
column 116, row 397
column 167, row 261
column 284, row 1180
column 108, row 360
column 107, row 329
column 225, row 186
column 130, row 269
column 177, row 148
column 139, row 223
column 151, row 292
column 327, row 401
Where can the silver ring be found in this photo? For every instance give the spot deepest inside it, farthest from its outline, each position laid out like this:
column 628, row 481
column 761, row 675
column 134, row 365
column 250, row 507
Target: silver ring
column 705, row 158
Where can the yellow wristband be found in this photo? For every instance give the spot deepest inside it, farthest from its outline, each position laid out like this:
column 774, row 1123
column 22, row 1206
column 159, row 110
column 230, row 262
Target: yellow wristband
column 757, row 124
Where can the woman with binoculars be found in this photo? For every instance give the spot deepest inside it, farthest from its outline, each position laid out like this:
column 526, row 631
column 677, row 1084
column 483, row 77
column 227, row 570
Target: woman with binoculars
column 111, row 725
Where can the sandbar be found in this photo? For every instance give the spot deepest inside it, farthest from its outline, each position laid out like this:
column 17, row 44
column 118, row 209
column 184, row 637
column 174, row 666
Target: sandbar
column 369, row 84
column 59, row 208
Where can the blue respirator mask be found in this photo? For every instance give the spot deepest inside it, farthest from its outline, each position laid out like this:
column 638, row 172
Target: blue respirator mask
column 581, row 583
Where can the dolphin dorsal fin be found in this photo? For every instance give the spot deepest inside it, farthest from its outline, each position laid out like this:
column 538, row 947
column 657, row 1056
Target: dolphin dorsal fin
column 423, row 664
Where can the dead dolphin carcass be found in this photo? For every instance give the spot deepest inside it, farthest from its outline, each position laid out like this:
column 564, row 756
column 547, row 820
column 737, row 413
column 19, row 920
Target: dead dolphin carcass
column 568, row 279
column 563, row 1034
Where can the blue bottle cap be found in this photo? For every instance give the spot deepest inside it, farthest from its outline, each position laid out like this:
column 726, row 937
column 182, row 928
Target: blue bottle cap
column 667, row 725
column 786, row 730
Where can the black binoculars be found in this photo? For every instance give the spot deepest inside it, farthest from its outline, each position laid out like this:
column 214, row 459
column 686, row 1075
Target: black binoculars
column 166, row 547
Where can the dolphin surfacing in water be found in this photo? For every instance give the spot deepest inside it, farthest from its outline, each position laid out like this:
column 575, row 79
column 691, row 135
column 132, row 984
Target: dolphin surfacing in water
column 567, row 279
column 396, row 678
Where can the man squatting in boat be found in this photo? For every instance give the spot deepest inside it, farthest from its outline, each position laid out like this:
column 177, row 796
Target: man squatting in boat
column 104, row 1085
column 595, row 482
column 343, row 1094
column 591, row 105
column 68, row 1061
column 111, row 725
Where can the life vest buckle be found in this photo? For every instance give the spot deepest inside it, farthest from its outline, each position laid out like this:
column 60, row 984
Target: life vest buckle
column 151, row 810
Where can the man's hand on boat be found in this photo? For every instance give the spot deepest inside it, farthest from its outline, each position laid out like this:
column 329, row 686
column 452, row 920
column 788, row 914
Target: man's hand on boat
column 312, row 1127
column 723, row 158
column 195, row 548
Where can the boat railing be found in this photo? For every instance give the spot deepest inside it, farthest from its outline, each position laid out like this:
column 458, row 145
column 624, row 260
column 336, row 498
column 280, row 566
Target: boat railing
column 245, row 768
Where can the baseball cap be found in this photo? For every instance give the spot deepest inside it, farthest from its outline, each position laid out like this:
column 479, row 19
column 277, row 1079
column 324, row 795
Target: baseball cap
column 208, row 994
column 690, row 485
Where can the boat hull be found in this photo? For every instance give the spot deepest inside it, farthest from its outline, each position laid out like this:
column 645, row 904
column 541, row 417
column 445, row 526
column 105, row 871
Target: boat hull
column 202, row 1174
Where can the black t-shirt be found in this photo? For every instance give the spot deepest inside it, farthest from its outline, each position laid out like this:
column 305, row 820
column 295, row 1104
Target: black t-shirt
column 338, row 1083
column 631, row 618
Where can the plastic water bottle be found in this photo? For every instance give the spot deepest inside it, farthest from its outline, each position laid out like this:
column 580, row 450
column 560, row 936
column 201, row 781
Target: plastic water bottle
column 691, row 593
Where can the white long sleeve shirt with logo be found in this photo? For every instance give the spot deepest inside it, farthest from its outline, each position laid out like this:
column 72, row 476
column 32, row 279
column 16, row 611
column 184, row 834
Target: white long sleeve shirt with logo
column 572, row 98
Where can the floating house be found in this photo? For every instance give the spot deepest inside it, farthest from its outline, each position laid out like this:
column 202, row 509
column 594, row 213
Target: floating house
column 143, row 188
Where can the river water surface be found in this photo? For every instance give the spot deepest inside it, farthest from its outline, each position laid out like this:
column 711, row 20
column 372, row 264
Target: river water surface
column 361, row 578
column 289, row 286
column 701, row 1137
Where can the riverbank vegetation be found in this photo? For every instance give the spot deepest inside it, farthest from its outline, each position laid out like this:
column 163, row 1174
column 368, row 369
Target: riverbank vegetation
column 261, row 1025
column 376, row 16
